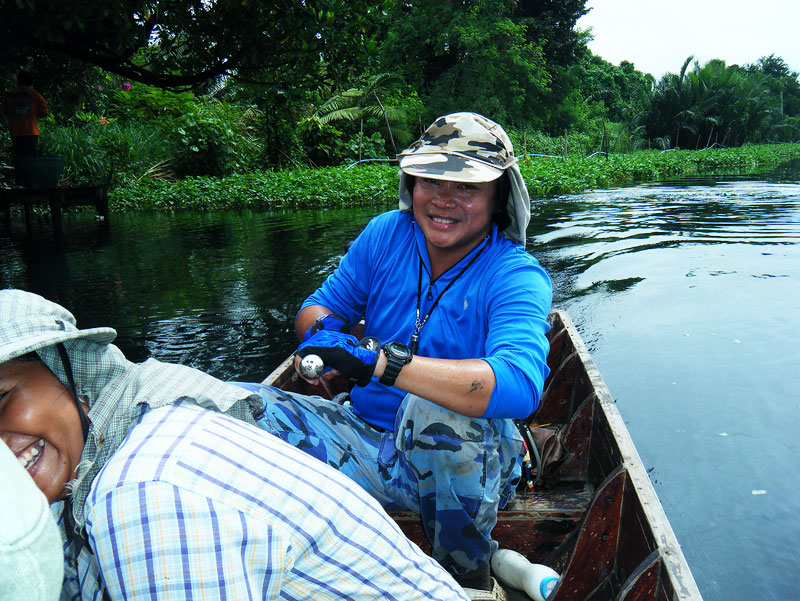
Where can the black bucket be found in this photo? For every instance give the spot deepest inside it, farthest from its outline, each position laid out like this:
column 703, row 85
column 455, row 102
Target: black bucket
column 39, row 171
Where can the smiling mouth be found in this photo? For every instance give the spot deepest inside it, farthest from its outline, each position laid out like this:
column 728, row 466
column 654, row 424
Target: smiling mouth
column 443, row 220
column 31, row 455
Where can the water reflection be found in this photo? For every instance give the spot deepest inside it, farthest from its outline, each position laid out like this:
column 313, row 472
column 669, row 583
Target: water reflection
column 684, row 291
column 215, row 290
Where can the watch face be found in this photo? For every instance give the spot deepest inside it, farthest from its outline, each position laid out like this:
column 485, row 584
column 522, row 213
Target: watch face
column 399, row 350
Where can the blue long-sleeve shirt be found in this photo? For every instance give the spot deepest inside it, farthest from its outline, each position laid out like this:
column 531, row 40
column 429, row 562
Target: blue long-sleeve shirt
column 496, row 310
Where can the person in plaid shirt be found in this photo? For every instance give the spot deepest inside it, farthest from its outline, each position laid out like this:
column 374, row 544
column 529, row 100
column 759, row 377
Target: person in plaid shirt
column 163, row 487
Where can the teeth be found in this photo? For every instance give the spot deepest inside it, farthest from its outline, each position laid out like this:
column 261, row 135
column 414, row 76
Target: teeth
column 29, row 456
column 442, row 220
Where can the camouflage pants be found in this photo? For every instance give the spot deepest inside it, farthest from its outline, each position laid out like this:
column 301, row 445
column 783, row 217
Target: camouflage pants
column 453, row 470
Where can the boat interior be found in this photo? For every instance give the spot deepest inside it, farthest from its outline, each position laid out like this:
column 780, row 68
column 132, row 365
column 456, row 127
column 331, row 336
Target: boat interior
column 597, row 521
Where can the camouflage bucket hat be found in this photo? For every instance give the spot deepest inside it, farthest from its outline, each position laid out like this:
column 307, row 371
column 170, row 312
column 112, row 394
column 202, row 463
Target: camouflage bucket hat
column 29, row 322
column 460, row 147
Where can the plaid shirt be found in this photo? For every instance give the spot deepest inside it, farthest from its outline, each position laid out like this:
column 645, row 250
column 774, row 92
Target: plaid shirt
column 197, row 505
column 116, row 389
column 182, row 501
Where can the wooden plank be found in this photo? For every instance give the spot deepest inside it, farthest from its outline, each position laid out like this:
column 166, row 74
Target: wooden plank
column 577, row 440
column 57, row 199
column 635, row 528
column 593, row 559
column 279, row 376
column 677, row 579
column 560, row 344
column 556, row 403
column 534, row 524
column 604, row 456
column 642, row 585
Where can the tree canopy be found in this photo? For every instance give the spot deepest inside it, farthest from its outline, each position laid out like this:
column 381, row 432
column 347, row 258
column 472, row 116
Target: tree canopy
column 716, row 103
column 183, row 43
column 499, row 57
column 231, row 85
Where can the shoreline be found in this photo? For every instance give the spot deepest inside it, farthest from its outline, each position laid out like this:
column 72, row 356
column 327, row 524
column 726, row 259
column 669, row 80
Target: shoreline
column 376, row 185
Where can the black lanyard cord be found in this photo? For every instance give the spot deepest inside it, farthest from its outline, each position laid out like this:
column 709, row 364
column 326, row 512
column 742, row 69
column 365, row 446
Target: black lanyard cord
column 418, row 325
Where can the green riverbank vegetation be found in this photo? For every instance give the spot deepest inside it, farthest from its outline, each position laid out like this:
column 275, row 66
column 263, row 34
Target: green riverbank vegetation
column 165, row 107
column 376, row 184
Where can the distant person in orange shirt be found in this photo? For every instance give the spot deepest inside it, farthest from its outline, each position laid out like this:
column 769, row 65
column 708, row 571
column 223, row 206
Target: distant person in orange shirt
column 23, row 107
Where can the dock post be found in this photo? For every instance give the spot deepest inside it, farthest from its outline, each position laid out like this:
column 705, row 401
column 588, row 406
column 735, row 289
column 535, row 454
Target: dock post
column 28, row 218
column 56, row 202
column 101, row 204
column 7, row 215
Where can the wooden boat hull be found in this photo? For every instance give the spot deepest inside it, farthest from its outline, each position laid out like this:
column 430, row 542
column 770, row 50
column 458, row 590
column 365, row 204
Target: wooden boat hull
column 601, row 526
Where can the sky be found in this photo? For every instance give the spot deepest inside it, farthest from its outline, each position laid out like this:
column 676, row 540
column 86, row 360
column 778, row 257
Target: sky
column 658, row 35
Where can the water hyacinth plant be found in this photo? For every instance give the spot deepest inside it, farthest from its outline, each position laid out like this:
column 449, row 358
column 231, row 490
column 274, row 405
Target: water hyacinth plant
column 376, row 184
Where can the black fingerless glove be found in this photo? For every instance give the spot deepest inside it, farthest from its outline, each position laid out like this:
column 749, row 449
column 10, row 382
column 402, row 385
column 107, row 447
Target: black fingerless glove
column 343, row 353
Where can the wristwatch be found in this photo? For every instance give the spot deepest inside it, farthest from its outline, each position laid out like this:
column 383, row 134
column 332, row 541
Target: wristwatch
column 397, row 355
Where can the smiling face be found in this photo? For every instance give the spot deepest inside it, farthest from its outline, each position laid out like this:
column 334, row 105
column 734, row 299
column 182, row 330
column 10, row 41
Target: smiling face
column 454, row 216
column 39, row 423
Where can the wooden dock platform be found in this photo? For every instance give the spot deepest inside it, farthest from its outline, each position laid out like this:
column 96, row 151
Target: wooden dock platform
column 57, row 199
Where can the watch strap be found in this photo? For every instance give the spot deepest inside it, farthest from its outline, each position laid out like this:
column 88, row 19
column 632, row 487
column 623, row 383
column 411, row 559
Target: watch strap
column 393, row 366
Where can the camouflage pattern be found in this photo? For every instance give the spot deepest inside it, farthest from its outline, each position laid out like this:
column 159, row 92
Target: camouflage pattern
column 461, row 147
column 467, row 147
column 480, row 460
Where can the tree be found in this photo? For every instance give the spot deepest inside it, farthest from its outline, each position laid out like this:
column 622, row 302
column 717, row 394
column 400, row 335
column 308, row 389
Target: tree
column 468, row 55
column 622, row 89
column 183, row 43
column 358, row 104
column 552, row 23
column 715, row 103
column 781, row 80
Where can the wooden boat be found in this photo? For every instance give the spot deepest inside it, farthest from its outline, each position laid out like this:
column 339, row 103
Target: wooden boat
column 601, row 525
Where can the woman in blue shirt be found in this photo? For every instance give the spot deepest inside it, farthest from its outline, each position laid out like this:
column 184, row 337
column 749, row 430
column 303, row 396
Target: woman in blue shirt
column 446, row 284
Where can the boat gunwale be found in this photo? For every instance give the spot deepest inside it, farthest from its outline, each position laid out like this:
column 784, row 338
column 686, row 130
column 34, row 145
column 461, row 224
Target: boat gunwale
column 649, row 504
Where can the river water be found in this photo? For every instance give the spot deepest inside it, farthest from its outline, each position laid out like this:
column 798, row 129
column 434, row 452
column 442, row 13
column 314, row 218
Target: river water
column 686, row 292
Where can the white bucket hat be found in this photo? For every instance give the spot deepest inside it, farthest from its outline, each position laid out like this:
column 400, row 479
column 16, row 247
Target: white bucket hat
column 29, row 322
column 31, row 556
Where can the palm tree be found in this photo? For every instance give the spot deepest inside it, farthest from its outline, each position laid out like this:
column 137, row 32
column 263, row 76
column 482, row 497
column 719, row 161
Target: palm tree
column 670, row 106
column 360, row 103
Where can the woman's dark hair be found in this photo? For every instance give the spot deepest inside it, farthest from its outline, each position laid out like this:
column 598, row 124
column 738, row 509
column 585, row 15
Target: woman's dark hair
column 502, row 189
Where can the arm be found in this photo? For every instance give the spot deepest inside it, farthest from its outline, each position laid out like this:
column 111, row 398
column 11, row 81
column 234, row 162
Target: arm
column 462, row 385
column 507, row 380
column 306, row 318
column 503, row 378
column 341, row 293
column 42, row 110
